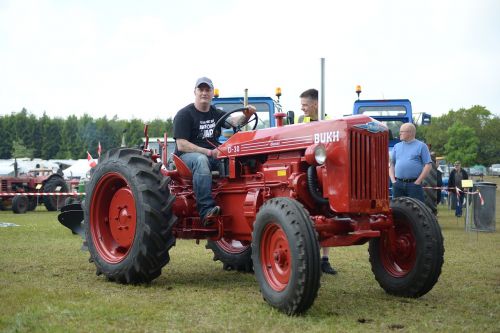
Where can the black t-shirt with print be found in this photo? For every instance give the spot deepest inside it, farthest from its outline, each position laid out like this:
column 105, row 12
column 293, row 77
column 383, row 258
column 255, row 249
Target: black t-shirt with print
column 197, row 127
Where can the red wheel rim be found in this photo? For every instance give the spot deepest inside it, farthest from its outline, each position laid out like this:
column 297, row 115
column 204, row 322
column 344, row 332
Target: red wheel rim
column 233, row 246
column 399, row 259
column 113, row 218
column 275, row 256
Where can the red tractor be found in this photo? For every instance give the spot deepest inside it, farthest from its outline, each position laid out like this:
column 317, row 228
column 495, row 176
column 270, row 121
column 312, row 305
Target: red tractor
column 284, row 192
column 36, row 180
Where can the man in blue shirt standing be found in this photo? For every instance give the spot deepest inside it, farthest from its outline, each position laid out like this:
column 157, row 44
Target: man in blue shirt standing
column 410, row 164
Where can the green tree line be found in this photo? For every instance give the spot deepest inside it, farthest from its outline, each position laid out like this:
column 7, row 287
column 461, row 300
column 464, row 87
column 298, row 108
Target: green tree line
column 469, row 135
column 25, row 135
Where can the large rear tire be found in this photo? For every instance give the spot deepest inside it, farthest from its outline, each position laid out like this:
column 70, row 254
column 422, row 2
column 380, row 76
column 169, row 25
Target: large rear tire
column 285, row 252
column 233, row 254
column 430, row 193
column 128, row 217
column 53, row 202
column 410, row 264
column 20, row 204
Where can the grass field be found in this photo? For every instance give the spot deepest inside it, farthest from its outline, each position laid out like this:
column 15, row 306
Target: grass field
column 48, row 285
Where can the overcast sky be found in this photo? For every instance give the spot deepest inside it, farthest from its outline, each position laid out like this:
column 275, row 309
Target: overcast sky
column 140, row 59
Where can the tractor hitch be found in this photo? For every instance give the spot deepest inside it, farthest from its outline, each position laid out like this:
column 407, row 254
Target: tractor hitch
column 72, row 218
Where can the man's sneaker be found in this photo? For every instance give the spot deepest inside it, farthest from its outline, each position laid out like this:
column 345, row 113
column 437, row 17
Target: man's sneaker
column 213, row 212
column 326, row 267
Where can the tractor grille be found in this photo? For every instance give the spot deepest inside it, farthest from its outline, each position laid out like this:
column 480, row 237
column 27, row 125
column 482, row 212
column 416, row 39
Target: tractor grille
column 369, row 165
column 4, row 186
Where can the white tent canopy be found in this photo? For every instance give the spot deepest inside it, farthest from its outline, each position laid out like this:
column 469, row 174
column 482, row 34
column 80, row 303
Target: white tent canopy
column 6, row 167
column 78, row 169
column 24, row 165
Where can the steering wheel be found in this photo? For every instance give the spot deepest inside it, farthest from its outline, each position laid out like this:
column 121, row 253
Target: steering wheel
column 238, row 128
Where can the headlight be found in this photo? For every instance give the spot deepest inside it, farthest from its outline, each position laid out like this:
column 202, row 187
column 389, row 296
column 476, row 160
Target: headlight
column 320, row 154
column 316, row 154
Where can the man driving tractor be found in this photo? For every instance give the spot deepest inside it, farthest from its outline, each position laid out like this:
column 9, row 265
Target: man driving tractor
column 196, row 143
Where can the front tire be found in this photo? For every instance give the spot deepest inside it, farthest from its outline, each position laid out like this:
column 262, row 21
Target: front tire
column 20, row 204
column 285, row 252
column 128, row 217
column 410, row 264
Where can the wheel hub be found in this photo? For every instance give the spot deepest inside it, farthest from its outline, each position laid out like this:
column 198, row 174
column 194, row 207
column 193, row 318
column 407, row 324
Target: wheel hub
column 403, row 247
column 399, row 257
column 276, row 259
column 280, row 257
column 122, row 217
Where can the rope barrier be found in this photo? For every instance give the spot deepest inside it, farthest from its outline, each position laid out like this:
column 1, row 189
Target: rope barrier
column 457, row 191
column 10, row 194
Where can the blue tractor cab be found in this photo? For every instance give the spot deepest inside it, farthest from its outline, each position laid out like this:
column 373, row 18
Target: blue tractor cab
column 392, row 112
column 266, row 108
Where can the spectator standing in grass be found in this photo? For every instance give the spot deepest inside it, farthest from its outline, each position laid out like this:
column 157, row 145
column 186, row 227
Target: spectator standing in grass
column 455, row 185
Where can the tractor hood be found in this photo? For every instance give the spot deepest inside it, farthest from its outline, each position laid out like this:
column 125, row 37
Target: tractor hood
column 297, row 136
column 354, row 175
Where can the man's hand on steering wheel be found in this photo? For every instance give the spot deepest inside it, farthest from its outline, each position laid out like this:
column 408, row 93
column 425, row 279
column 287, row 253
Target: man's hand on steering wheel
column 249, row 115
column 249, row 111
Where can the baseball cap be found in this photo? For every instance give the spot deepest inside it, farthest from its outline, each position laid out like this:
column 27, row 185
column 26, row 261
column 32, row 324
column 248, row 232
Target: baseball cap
column 204, row 80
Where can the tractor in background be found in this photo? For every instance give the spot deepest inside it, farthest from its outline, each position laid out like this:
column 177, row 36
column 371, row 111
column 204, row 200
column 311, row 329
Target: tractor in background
column 393, row 113
column 266, row 108
column 36, row 180
column 284, row 192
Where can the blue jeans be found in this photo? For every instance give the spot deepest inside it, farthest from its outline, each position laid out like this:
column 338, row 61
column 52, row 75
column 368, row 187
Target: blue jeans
column 201, row 166
column 460, row 203
column 412, row 190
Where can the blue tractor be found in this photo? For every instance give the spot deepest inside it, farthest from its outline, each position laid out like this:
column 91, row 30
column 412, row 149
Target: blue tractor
column 394, row 113
column 266, row 109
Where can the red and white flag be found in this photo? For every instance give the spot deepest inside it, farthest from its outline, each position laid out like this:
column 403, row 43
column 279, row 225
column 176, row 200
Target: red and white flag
column 92, row 162
column 99, row 149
